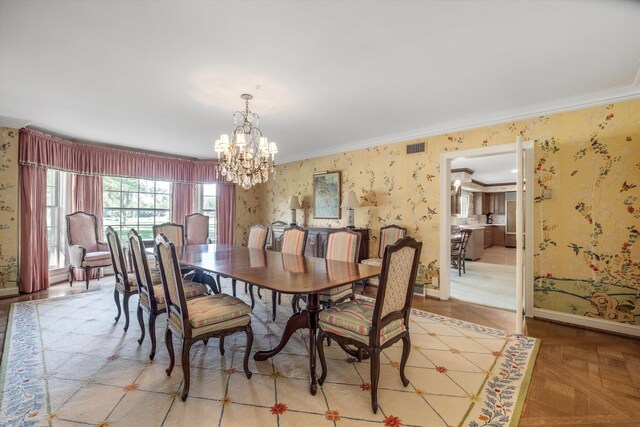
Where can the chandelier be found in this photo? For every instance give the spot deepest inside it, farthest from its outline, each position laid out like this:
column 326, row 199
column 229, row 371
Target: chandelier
column 246, row 157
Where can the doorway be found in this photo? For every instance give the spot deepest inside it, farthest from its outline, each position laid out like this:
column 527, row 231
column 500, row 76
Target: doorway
column 491, row 276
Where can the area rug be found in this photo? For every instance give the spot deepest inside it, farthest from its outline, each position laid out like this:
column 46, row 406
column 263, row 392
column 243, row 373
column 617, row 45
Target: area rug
column 66, row 363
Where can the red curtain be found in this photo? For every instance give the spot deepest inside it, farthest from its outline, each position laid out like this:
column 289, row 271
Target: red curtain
column 87, row 197
column 39, row 149
column 225, row 212
column 34, row 255
column 183, row 201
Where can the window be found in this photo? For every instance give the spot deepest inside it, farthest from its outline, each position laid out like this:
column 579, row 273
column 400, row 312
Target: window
column 208, row 207
column 135, row 203
column 55, row 240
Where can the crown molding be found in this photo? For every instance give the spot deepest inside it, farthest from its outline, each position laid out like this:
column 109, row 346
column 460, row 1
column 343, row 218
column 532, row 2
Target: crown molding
column 592, row 99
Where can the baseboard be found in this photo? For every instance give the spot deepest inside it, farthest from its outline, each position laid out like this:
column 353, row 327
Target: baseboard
column 9, row 292
column 433, row 293
column 587, row 322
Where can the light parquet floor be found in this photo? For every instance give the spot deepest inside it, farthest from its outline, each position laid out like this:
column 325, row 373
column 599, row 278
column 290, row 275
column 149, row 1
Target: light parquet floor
column 581, row 377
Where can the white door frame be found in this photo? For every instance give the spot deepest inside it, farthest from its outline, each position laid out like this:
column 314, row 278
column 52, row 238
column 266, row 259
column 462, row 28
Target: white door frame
column 445, row 214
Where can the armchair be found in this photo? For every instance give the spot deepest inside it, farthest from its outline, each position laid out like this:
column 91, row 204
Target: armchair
column 85, row 249
column 196, row 229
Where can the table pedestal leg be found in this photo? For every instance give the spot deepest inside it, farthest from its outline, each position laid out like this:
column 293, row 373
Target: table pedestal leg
column 307, row 318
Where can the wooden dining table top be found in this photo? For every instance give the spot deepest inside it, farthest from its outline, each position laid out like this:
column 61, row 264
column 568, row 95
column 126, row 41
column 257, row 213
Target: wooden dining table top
column 289, row 274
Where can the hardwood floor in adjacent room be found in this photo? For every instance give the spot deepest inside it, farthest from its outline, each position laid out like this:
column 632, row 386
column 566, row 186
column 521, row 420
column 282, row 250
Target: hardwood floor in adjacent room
column 581, row 377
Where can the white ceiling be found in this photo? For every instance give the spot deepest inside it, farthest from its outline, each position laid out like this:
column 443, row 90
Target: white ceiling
column 167, row 76
column 494, row 169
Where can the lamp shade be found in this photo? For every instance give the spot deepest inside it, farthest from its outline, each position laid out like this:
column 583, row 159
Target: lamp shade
column 350, row 200
column 294, row 203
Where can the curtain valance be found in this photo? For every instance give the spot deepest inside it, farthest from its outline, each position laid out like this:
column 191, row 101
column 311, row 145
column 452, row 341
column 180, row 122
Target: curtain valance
column 42, row 150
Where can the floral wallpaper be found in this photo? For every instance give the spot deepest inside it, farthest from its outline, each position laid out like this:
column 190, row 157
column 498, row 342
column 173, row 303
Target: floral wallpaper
column 586, row 252
column 247, row 203
column 8, row 207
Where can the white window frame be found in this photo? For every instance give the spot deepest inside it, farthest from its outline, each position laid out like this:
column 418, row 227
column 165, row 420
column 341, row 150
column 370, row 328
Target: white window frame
column 213, row 220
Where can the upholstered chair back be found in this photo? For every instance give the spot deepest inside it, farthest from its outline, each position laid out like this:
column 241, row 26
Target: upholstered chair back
column 196, row 229
column 82, row 230
column 173, row 232
column 343, row 245
column 140, row 263
column 389, row 235
column 294, row 240
column 117, row 257
column 258, row 236
column 175, row 300
column 397, row 279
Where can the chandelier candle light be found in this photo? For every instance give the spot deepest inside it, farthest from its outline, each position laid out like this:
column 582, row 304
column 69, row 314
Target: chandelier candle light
column 246, row 157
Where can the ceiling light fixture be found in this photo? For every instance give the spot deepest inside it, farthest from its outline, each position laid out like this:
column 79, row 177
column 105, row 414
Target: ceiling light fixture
column 246, row 157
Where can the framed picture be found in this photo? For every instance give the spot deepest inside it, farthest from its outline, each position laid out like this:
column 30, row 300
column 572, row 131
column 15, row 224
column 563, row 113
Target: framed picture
column 326, row 195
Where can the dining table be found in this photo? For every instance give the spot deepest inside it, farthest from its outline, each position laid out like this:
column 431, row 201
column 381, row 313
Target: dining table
column 285, row 273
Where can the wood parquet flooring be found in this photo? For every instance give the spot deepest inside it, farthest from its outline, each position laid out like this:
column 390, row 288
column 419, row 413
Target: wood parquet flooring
column 581, row 377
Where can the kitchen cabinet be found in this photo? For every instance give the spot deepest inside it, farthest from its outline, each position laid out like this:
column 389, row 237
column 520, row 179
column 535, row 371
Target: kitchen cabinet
column 498, row 235
column 510, row 241
column 498, row 203
column 482, row 203
column 475, row 245
column 488, row 237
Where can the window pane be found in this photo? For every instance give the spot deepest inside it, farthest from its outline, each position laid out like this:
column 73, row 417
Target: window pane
column 208, row 203
column 146, row 217
column 146, row 200
column 111, row 199
column 162, row 217
column 129, row 200
column 129, row 184
column 163, row 187
column 111, row 183
column 130, row 217
column 146, row 233
column 146, row 186
column 163, row 202
column 111, row 217
column 209, row 189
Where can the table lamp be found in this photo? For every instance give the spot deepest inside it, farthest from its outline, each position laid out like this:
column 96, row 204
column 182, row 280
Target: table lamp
column 350, row 202
column 294, row 204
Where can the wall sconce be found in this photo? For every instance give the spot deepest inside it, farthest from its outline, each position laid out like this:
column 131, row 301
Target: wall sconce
column 350, row 202
column 456, row 186
column 294, row 204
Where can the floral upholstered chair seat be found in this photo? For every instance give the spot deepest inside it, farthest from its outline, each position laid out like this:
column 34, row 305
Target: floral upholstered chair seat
column 353, row 319
column 215, row 312
column 97, row 259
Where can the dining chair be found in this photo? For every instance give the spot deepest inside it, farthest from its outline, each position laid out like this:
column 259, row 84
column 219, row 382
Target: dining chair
column 341, row 245
column 151, row 295
column 258, row 234
column 86, row 251
column 459, row 250
column 196, row 319
column 371, row 326
column 124, row 284
column 173, row 231
column 293, row 242
column 388, row 236
column 196, row 229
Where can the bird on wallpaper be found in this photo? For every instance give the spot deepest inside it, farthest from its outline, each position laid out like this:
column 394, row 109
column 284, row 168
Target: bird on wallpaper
column 575, row 248
column 627, row 187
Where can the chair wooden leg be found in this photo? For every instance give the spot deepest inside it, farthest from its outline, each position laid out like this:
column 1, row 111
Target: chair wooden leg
column 186, row 369
column 247, row 351
column 233, row 286
column 323, row 362
column 125, row 308
column 374, row 354
column 87, row 274
column 116, row 298
column 279, row 298
column 253, row 300
column 221, row 346
column 70, row 276
column 259, row 292
column 406, row 349
column 141, row 322
column 152, row 333
column 294, row 304
column 168, row 340
column 274, row 296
